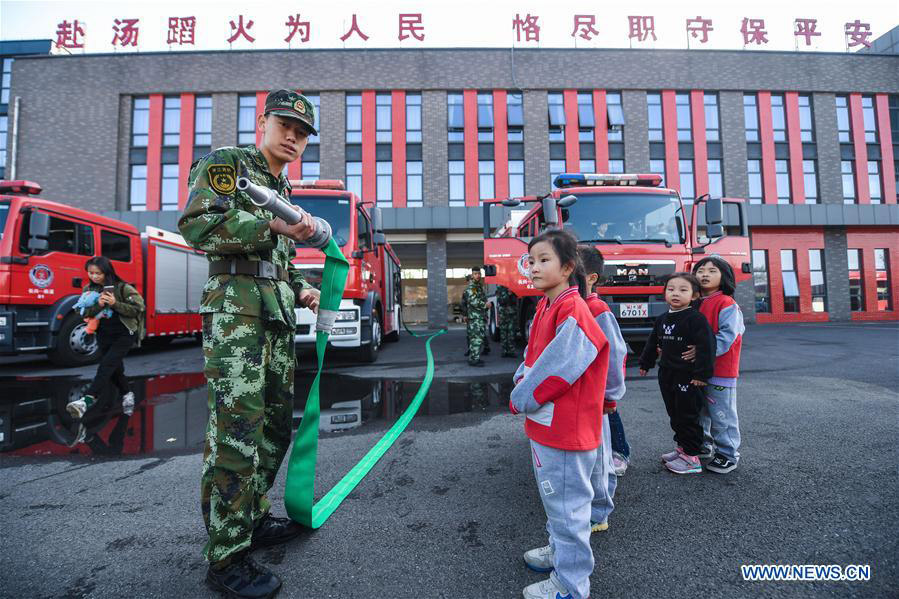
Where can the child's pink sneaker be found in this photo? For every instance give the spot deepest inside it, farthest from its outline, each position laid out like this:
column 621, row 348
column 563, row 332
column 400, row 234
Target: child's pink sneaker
column 684, row 464
column 671, row 455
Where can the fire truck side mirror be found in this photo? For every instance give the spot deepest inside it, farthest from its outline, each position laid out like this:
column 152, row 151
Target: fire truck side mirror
column 490, row 270
column 376, row 220
column 715, row 231
column 550, row 212
column 714, row 212
column 39, row 231
column 379, row 238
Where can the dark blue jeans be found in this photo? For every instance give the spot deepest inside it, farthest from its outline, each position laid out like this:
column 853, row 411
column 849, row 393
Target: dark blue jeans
column 619, row 442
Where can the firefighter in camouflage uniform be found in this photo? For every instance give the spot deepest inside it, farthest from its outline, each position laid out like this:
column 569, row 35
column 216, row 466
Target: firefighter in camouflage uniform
column 508, row 318
column 474, row 307
column 248, row 340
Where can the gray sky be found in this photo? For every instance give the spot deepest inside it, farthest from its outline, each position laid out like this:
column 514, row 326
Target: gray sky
column 460, row 23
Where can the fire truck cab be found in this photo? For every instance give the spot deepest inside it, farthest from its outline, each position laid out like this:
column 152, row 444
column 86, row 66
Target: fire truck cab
column 370, row 311
column 642, row 229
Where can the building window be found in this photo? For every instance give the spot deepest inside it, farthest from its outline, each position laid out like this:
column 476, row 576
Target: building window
column 384, row 182
column 455, row 117
column 790, row 282
column 684, row 120
column 856, row 289
column 413, row 118
column 894, row 118
column 617, row 166
column 615, row 112
column 516, row 178
column 751, row 117
column 754, row 170
column 354, row 178
column 169, row 186
column 7, row 80
column 716, row 180
column 656, row 167
column 806, row 122
column 310, row 169
column 687, row 189
column 712, row 122
column 782, row 177
column 843, row 127
column 870, row 120
column 414, row 184
column 4, row 127
column 654, row 107
column 485, row 116
column 585, row 118
column 353, row 118
column 137, row 198
column 556, row 116
column 485, row 179
column 383, row 119
column 882, row 272
column 316, row 102
column 760, row 281
column 203, row 121
column 810, row 181
column 140, row 123
column 171, row 122
column 587, row 166
column 816, row 274
column 556, row 168
column 778, row 117
column 874, row 182
column 848, row 175
column 515, row 116
column 246, row 119
column 456, row 183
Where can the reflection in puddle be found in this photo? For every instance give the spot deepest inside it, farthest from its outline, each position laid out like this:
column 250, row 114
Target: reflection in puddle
column 170, row 411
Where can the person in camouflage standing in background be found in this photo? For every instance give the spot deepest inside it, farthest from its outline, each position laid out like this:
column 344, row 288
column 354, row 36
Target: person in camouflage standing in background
column 508, row 319
column 248, row 341
column 474, row 306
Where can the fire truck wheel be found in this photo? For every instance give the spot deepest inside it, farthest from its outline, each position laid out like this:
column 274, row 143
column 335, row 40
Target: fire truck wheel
column 74, row 347
column 394, row 336
column 370, row 351
column 492, row 325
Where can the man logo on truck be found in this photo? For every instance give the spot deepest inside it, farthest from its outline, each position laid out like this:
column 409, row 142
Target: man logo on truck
column 632, row 272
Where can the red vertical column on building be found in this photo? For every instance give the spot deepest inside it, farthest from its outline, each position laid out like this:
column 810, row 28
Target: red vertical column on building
column 154, row 152
column 766, row 134
column 794, row 137
column 601, row 130
column 295, row 168
column 186, row 146
column 700, row 150
column 500, row 145
column 369, row 147
column 572, row 141
column 398, row 146
column 470, row 114
column 669, row 127
column 857, row 120
column 260, row 109
column 885, row 134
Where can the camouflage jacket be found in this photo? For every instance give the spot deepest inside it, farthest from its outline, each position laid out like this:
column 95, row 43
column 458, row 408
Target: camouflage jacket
column 474, row 300
column 504, row 297
column 225, row 224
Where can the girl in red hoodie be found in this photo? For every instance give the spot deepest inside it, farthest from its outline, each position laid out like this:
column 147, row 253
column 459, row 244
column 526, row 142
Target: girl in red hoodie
column 721, row 427
column 560, row 388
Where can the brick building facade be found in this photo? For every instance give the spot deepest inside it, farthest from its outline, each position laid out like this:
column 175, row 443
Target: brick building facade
column 810, row 139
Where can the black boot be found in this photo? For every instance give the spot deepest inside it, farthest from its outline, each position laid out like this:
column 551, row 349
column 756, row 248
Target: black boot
column 243, row 578
column 274, row 531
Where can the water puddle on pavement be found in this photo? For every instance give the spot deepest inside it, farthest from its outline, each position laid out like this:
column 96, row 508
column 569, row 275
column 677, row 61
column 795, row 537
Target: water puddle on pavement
column 170, row 411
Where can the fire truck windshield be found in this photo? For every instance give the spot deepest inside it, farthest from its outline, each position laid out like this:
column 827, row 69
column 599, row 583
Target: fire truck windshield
column 631, row 217
column 334, row 209
column 4, row 214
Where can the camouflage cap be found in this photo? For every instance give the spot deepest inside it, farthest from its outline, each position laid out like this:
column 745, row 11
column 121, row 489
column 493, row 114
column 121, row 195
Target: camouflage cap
column 290, row 104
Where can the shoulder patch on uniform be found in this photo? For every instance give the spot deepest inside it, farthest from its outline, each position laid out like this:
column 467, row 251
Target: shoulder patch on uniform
column 222, row 178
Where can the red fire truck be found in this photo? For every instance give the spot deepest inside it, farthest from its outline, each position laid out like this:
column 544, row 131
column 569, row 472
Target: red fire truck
column 372, row 301
column 641, row 229
column 43, row 248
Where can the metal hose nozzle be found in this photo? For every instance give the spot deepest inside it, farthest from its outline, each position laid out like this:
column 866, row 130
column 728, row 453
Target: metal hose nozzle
column 270, row 200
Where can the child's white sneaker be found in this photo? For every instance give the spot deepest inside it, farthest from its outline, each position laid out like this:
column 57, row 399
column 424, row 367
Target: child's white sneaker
column 128, row 403
column 539, row 559
column 78, row 407
column 546, row 589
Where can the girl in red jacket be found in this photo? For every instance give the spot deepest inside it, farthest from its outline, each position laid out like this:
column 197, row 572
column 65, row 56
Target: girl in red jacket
column 721, row 427
column 560, row 388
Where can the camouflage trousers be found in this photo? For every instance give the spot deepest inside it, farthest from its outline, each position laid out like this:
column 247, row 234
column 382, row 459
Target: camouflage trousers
column 476, row 329
column 249, row 372
column 508, row 318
